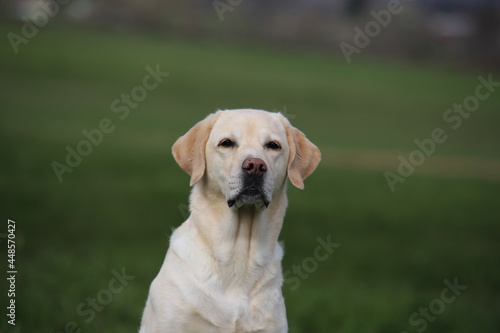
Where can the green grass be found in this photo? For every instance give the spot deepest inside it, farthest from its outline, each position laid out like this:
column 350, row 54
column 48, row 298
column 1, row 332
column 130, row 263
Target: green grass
column 118, row 207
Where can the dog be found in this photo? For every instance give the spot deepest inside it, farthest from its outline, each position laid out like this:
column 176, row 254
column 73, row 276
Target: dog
column 222, row 272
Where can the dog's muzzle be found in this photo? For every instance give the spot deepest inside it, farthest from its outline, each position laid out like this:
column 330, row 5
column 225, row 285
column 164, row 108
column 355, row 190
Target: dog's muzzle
column 252, row 191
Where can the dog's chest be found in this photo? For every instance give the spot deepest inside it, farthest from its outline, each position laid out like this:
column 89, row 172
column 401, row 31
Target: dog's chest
column 237, row 293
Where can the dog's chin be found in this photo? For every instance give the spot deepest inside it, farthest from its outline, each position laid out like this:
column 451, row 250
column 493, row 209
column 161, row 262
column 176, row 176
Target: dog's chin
column 249, row 197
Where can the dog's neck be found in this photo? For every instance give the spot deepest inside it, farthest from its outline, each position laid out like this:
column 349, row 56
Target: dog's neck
column 240, row 234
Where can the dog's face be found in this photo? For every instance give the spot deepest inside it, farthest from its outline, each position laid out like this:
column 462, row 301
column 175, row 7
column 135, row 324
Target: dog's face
column 246, row 155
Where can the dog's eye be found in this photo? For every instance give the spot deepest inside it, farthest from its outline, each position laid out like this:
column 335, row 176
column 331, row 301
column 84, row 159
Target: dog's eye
column 226, row 143
column 273, row 145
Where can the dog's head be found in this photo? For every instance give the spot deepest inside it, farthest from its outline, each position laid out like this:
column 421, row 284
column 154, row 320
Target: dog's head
column 246, row 155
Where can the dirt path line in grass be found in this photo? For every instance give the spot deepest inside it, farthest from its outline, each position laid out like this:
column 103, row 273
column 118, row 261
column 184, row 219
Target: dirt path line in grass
column 439, row 165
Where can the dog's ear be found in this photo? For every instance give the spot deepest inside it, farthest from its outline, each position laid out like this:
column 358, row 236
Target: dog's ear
column 189, row 149
column 304, row 156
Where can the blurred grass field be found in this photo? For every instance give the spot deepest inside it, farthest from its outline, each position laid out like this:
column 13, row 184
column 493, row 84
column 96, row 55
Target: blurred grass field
column 117, row 208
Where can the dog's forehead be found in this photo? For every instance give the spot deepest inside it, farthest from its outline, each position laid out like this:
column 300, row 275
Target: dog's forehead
column 249, row 123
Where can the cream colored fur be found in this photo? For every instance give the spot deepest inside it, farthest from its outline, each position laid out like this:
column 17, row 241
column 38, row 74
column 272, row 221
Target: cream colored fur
column 222, row 272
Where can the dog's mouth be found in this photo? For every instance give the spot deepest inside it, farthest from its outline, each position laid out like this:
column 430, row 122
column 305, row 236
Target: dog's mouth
column 250, row 195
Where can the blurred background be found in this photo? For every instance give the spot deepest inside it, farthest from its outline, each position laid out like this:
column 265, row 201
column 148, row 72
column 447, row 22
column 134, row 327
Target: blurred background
column 94, row 93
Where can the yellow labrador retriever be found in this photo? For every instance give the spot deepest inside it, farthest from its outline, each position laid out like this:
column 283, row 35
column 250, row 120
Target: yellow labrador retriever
column 222, row 272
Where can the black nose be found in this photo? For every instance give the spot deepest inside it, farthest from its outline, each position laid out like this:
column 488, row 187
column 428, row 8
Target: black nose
column 254, row 166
